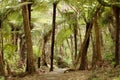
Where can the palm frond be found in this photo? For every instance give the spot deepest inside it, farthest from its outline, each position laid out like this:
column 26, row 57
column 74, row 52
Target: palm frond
column 63, row 35
column 41, row 6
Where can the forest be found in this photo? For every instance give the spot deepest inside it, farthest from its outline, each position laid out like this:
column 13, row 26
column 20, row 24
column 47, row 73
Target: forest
column 59, row 39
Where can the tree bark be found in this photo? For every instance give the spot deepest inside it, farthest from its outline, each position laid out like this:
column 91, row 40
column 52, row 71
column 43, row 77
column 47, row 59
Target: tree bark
column 22, row 48
column 2, row 73
column 44, row 63
column 97, row 41
column 112, row 31
column 39, row 60
column 45, row 40
column 94, row 56
column 53, row 34
column 117, row 38
column 30, row 68
column 75, row 35
column 2, row 69
column 15, row 36
column 84, row 47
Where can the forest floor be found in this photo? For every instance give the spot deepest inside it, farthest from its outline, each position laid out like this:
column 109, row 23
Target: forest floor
column 58, row 74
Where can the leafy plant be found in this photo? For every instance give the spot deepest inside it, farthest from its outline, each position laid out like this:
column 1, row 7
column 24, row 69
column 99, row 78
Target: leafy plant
column 63, row 35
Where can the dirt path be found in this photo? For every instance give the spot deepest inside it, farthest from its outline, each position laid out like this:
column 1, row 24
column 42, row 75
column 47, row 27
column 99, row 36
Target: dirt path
column 58, row 74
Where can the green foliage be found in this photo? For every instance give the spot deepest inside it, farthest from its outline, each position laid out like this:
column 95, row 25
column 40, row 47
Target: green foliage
column 37, row 52
column 15, row 19
column 9, row 51
column 10, row 55
column 106, row 16
column 2, row 78
column 6, row 30
column 40, row 5
column 109, row 56
column 63, row 35
column 116, row 78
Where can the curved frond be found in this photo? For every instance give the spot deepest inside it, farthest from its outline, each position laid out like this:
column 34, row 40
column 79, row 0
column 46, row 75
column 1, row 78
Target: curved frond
column 62, row 35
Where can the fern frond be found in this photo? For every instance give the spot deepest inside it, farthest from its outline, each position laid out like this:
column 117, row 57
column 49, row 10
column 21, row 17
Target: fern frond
column 63, row 35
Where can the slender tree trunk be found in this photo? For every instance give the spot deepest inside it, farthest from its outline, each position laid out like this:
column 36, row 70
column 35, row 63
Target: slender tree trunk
column 97, row 41
column 85, row 45
column 2, row 70
column 45, row 40
column 44, row 63
column 2, row 73
column 75, row 36
column 22, row 48
column 39, row 60
column 112, row 31
column 72, row 49
column 70, row 45
column 94, row 56
column 30, row 58
column 15, row 37
column 53, row 34
column 117, row 38
column 62, row 52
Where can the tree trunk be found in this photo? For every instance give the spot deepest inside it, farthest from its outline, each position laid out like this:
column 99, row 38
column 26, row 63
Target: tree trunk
column 84, row 48
column 75, row 36
column 97, row 41
column 45, row 40
column 53, row 34
column 2, row 73
column 72, row 48
column 15, row 35
column 22, row 48
column 62, row 52
column 39, row 60
column 44, row 63
column 15, row 38
column 94, row 56
column 70, row 45
column 85, row 44
column 2, row 70
column 112, row 31
column 117, row 38
column 30, row 58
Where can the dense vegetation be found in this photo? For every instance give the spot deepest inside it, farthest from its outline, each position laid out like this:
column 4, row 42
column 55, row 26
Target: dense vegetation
column 74, row 34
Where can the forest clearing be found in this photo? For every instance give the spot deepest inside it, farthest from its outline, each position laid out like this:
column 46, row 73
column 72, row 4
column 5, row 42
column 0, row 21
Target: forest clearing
column 59, row 39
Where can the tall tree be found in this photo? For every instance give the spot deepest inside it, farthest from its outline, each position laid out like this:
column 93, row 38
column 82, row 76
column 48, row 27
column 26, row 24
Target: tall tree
column 97, row 40
column 84, row 47
column 45, row 40
column 117, row 41
column 53, row 33
column 22, row 47
column 75, row 33
column 85, row 44
column 2, row 71
column 116, row 8
column 30, row 58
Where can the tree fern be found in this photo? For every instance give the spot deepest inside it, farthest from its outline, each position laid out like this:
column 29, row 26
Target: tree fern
column 62, row 35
